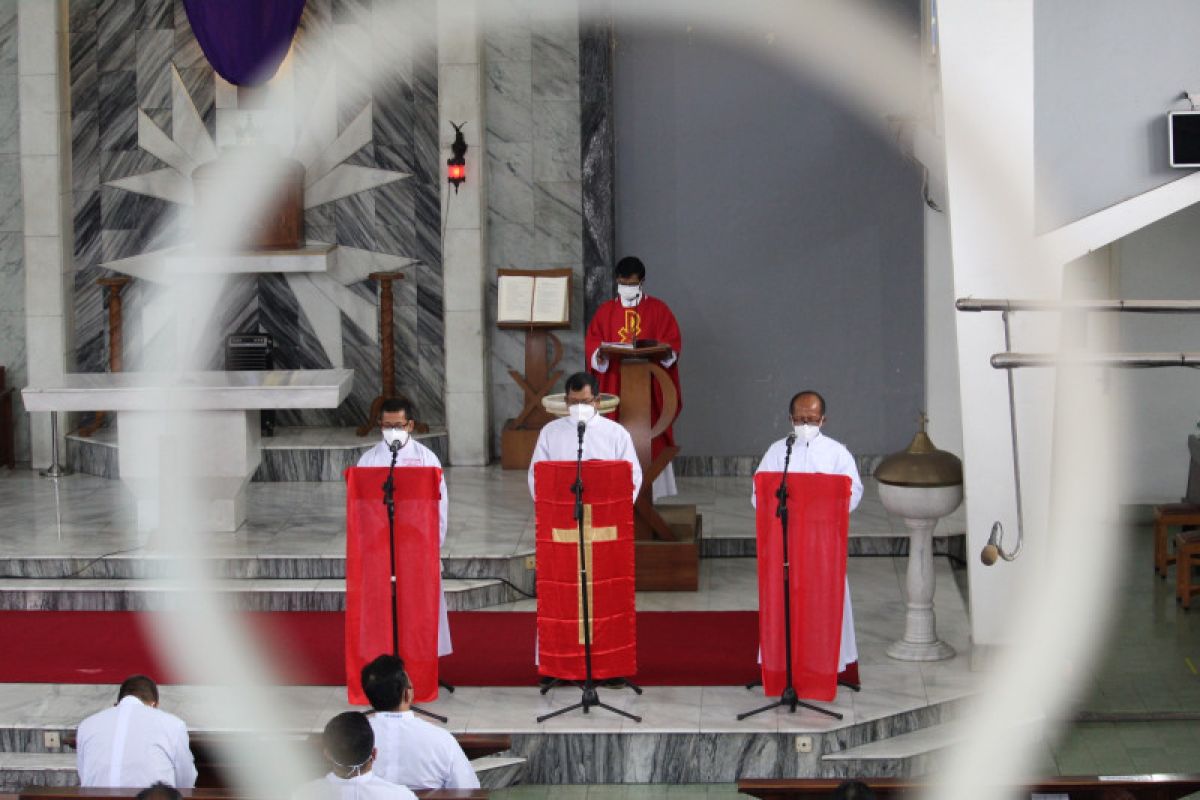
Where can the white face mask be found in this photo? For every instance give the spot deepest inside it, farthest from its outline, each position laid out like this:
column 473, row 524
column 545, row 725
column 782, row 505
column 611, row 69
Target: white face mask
column 807, row 433
column 394, row 435
column 581, row 412
column 629, row 295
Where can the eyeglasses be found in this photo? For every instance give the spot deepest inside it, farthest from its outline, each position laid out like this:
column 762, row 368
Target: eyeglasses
column 808, row 420
column 401, row 426
column 591, row 402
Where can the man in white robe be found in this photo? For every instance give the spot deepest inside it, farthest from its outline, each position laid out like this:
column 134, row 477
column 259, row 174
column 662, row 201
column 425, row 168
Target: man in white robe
column 397, row 420
column 603, row 439
column 410, row 751
column 815, row 452
column 350, row 748
column 134, row 744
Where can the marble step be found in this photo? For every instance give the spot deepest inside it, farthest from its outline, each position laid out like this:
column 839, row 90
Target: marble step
column 499, row 772
column 37, row 769
column 714, row 545
column 517, row 569
column 327, row 594
column 917, row 752
column 292, row 454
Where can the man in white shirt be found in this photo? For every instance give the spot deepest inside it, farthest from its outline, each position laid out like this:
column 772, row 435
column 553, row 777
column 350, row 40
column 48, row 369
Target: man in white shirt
column 603, row 439
column 410, row 751
column 397, row 418
column 134, row 744
column 812, row 451
column 350, row 748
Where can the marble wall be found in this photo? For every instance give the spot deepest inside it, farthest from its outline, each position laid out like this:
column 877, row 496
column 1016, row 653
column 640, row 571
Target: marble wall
column 123, row 57
column 12, row 259
column 535, row 191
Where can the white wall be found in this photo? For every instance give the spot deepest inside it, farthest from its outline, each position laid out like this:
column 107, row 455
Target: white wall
column 1159, row 262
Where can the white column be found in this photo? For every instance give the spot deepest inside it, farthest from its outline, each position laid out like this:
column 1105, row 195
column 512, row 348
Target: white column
column 987, row 82
column 464, row 251
column 46, row 193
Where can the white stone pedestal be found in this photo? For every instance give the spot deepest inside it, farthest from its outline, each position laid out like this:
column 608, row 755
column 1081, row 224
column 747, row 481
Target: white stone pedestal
column 920, row 508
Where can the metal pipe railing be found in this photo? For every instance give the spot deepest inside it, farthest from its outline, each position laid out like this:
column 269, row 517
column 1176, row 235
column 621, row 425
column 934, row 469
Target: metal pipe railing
column 1111, row 306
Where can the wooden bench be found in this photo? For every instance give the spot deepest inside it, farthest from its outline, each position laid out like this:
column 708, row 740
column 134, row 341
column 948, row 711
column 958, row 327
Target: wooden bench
column 212, row 767
column 1085, row 787
column 79, row 793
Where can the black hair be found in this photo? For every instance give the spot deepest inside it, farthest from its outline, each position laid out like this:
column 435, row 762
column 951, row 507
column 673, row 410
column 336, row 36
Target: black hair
column 139, row 686
column 798, row 395
column 348, row 739
column 384, row 681
column 159, row 791
column 853, row 790
column 631, row 267
column 395, row 404
column 579, row 380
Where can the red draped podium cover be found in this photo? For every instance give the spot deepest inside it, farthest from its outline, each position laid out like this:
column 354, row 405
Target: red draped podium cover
column 818, row 527
column 608, row 537
column 369, row 607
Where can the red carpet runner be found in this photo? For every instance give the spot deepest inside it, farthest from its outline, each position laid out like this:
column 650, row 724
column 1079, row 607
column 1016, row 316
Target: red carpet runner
column 491, row 648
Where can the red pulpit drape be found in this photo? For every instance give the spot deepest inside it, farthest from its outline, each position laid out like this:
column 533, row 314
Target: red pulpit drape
column 369, row 608
column 608, row 538
column 818, row 527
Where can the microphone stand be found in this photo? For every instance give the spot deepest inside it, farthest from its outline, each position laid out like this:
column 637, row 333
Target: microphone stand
column 590, row 697
column 389, row 500
column 789, row 697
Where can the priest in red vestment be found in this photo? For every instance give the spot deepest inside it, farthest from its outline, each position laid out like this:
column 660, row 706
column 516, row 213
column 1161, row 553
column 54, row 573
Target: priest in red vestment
column 630, row 316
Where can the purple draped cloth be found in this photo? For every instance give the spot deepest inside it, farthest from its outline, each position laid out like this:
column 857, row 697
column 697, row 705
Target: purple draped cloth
column 244, row 40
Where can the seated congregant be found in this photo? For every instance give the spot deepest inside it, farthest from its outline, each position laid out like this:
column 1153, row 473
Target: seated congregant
column 134, row 743
column 349, row 746
column 410, row 751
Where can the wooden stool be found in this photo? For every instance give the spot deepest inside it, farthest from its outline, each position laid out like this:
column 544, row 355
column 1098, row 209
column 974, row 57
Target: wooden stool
column 1166, row 516
column 1187, row 555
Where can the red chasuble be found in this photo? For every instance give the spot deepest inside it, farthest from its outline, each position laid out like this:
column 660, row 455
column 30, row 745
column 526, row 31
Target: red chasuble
column 818, row 529
column 369, row 606
column 608, row 538
column 649, row 319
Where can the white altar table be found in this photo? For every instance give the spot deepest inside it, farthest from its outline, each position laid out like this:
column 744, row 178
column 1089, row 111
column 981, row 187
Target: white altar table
column 199, row 426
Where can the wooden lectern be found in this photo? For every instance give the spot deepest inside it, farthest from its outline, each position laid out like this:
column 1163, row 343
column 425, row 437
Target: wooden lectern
column 667, row 537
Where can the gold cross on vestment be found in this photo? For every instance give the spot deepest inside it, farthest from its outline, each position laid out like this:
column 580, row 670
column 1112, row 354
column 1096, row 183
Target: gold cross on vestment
column 590, row 535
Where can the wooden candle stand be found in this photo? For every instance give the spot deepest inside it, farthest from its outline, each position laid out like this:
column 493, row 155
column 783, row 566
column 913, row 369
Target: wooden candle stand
column 387, row 349
column 115, row 339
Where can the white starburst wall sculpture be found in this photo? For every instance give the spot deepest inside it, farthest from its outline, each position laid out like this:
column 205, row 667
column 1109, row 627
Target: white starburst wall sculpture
column 323, row 296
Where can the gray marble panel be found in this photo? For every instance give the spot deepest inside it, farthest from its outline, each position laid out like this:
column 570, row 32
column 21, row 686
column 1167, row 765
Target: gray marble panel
column 10, row 139
column 12, row 272
column 116, row 23
column 156, row 15
column 509, row 101
column 558, row 222
column 199, row 84
column 86, row 217
column 510, row 245
column 8, row 37
column 154, row 48
column 116, row 164
column 81, row 14
column 510, row 182
column 85, row 155
column 508, row 32
column 354, row 218
column 13, row 356
column 91, row 322
column 510, row 568
column 188, row 53
column 555, row 63
column 11, row 219
column 13, row 778
column 117, row 107
column 93, row 458
column 597, row 165
column 294, row 464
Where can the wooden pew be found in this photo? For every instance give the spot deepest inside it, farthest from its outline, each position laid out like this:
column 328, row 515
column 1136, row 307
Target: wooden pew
column 79, row 793
column 1083, row 787
column 211, row 764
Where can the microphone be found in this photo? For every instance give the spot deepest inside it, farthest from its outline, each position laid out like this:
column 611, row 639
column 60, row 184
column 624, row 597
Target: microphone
column 580, row 427
column 395, row 446
column 791, row 439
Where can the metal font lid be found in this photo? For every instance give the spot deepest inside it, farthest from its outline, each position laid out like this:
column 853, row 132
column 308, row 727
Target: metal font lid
column 922, row 464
